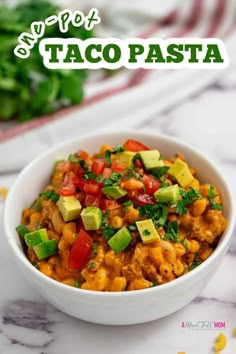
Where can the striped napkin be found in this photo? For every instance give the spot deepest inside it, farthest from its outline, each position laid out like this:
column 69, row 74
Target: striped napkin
column 131, row 96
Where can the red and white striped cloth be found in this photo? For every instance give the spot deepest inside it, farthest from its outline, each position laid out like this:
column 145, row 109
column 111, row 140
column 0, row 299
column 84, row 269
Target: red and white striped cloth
column 130, row 93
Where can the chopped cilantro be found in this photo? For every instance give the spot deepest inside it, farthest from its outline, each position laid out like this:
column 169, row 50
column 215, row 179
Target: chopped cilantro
column 99, row 179
column 77, row 283
column 77, row 159
column 146, row 232
column 158, row 173
column 108, row 232
column 188, row 197
column 132, row 227
column 127, row 203
column 90, row 265
column 114, row 179
column 154, row 283
column 95, row 249
column 136, row 157
column 50, row 194
column 38, row 205
column 90, row 175
column 35, row 265
column 108, row 157
column 172, row 232
column 195, row 264
column 211, row 196
column 157, row 212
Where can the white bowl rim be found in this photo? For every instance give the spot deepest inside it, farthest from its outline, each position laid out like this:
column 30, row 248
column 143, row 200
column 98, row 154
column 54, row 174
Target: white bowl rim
column 98, row 294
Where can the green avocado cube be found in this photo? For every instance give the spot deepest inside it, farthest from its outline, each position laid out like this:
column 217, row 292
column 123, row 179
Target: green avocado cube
column 22, row 230
column 120, row 240
column 91, row 217
column 151, row 159
column 46, row 249
column 125, row 157
column 114, row 192
column 167, row 194
column 36, row 237
column 69, row 207
column 181, row 172
column 147, row 231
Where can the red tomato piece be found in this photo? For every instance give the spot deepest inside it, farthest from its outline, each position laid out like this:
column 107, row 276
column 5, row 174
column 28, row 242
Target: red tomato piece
column 67, row 191
column 64, row 166
column 108, row 204
column 98, row 166
column 92, row 200
column 151, row 184
column 80, row 251
column 106, row 172
column 135, row 146
column 117, row 166
column 143, row 199
column 92, row 187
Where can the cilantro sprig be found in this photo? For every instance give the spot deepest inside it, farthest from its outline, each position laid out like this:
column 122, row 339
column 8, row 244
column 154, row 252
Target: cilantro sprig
column 77, row 159
column 211, row 196
column 188, row 197
column 107, row 230
column 108, row 153
column 157, row 212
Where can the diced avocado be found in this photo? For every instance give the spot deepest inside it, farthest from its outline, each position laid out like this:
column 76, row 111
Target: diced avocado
column 92, row 218
column 151, row 159
column 69, row 207
column 22, row 230
column 147, row 231
column 46, row 249
column 181, row 172
column 36, row 237
column 114, row 192
column 125, row 157
column 120, row 240
column 167, row 194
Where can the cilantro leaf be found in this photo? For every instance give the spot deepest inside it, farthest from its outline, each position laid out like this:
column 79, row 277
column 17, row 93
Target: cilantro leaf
column 211, row 196
column 77, row 159
column 188, row 197
column 160, row 171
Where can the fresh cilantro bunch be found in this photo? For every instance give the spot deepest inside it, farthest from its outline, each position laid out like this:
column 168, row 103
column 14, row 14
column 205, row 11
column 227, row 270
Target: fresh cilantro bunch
column 27, row 88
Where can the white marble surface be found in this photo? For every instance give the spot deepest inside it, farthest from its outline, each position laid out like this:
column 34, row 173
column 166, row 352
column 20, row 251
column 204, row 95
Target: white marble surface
column 29, row 325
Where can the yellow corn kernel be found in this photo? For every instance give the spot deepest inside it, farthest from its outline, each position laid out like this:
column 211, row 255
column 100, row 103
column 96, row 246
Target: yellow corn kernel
column 221, row 342
column 206, row 253
column 194, row 246
column 156, row 256
column 69, row 281
column 117, row 222
column 234, row 332
column 166, row 270
column 118, row 284
column 198, row 207
column 180, row 250
column 178, row 268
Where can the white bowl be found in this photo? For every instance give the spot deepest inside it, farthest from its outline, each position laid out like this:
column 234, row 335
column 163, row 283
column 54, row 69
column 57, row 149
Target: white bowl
column 115, row 308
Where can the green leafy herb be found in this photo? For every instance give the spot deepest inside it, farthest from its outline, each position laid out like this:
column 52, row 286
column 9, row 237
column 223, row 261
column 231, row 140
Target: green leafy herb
column 188, row 197
column 38, row 205
column 107, row 230
column 99, row 179
column 95, row 248
column 195, row 264
column 90, row 265
column 114, row 179
column 211, row 196
column 77, row 159
column 157, row 212
column 154, row 283
column 146, row 232
column 127, row 203
column 132, row 227
column 158, row 173
column 136, row 157
column 50, row 194
column 22, row 230
column 35, row 265
column 108, row 157
column 77, row 283
column 172, row 232
column 89, row 175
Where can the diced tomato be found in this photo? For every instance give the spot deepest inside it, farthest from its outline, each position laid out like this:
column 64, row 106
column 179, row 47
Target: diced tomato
column 106, row 172
column 64, row 166
column 117, row 166
column 98, row 166
column 92, row 200
column 143, row 199
column 71, row 181
column 92, row 187
column 80, row 251
column 107, row 204
column 135, row 146
column 83, row 154
column 151, row 184
column 67, row 190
